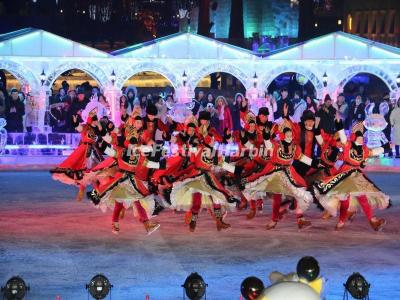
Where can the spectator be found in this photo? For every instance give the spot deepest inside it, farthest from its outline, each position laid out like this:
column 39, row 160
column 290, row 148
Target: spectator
column 78, row 104
column 200, row 97
column 326, row 115
column 161, row 108
column 357, row 111
column 72, row 96
column 214, row 120
column 65, row 86
column 208, row 99
column 343, row 109
column 244, row 109
column 311, row 104
column 270, row 103
column 2, row 105
column 123, row 104
column 280, row 104
column 224, row 115
column 234, row 107
column 299, row 106
column 59, row 98
column 395, row 123
column 30, row 112
column 386, row 109
column 149, row 99
column 67, row 112
column 130, row 96
column 103, row 108
column 58, row 114
column 143, row 102
column 15, row 111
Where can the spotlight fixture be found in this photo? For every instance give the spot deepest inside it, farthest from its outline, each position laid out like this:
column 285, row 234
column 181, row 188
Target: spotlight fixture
column 15, row 289
column 99, row 287
column 194, row 287
column 251, row 288
column 42, row 77
column 255, row 79
column 357, row 287
column 325, row 79
column 184, row 78
column 308, row 268
column 113, row 77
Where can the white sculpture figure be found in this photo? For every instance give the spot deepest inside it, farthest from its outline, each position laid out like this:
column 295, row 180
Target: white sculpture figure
column 3, row 135
column 289, row 290
column 182, row 108
column 375, row 124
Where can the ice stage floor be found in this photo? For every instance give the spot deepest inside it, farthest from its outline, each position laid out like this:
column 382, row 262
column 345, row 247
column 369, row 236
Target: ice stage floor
column 57, row 245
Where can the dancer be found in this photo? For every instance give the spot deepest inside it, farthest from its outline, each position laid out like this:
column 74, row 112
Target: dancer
column 130, row 187
column 73, row 169
column 279, row 176
column 351, row 186
column 200, row 188
column 265, row 130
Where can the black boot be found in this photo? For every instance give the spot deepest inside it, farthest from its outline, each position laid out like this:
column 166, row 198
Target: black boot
column 192, row 224
column 94, row 197
column 157, row 208
column 219, row 222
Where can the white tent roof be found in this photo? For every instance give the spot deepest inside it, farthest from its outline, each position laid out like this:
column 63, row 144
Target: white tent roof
column 184, row 45
column 40, row 43
column 338, row 45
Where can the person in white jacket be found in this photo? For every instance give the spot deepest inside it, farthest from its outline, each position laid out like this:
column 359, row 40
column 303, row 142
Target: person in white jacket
column 395, row 122
column 270, row 103
column 299, row 106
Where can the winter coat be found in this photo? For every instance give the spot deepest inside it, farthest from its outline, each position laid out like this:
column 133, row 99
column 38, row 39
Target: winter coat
column 395, row 122
column 30, row 114
column 15, row 112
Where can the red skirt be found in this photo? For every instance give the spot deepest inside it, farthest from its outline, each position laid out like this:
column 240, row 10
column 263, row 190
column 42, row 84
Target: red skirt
column 73, row 168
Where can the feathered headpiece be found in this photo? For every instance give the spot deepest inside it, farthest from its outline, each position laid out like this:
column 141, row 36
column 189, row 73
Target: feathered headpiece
column 91, row 106
column 357, row 130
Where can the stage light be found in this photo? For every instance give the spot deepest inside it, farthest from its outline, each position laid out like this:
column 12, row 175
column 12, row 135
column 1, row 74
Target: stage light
column 357, row 287
column 42, row 77
column 99, row 287
column 308, row 268
column 325, row 79
column 113, row 77
column 251, row 288
column 194, row 287
column 15, row 289
column 316, row 25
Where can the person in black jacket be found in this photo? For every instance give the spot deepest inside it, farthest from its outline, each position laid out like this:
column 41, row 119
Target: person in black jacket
column 327, row 114
column 281, row 103
column 357, row 111
column 15, row 111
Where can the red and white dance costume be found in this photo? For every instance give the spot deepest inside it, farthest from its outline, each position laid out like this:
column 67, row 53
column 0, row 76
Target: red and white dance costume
column 151, row 123
column 351, row 186
column 200, row 188
column 280, row 178
column 130, row 186
column 247, row 139
column 265, row 129
column 73, row 169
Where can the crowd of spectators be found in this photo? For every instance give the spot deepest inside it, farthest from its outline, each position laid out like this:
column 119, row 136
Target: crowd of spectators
column 20, row 110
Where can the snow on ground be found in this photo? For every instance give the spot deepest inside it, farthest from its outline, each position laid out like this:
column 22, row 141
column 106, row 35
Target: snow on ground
column 57, row 244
